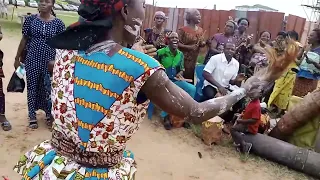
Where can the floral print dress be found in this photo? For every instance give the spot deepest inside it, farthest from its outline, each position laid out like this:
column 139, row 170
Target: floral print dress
column 188, row 36
column 97, row 107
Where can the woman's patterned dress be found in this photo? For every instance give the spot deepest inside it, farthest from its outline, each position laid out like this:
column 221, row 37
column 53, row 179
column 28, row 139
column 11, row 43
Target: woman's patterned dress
column 188, row 36
column 97, row 107
column 38, row 55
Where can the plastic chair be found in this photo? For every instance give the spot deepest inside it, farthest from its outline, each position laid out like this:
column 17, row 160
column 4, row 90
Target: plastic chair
column 200, row 80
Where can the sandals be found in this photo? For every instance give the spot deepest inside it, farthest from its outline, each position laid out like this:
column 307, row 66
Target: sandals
column 33, row 124
column 49, row 121
column 6, row 126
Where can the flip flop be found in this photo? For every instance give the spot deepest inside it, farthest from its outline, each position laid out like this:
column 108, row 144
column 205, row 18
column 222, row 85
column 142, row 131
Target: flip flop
column 33, row 124
column 6, row 126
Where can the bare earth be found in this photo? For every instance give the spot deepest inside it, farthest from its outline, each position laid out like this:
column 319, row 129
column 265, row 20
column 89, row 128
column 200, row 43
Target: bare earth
column 160, row 154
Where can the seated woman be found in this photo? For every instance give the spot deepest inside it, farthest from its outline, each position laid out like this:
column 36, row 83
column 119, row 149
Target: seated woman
column 172, row 60
column 218, row 41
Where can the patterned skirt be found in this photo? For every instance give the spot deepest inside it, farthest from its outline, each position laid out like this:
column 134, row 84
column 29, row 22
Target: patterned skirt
column 43, row 163
column 303, row 86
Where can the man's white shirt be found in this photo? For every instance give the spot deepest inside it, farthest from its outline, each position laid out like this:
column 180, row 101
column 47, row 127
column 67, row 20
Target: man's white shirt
column 221, row 70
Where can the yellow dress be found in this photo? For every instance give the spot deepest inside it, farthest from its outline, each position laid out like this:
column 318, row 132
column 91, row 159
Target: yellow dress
column 282, row 90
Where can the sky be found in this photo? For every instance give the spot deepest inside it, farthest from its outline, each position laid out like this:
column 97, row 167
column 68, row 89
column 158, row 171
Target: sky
column 287, row 6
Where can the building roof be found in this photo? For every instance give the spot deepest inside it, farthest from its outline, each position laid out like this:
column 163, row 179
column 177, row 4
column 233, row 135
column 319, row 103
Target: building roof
column 257, row 6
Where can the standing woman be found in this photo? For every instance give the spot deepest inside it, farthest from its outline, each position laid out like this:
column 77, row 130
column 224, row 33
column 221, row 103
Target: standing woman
column 242, row 41
column 191, row 40
column 218, row 40
column 308, row 75
column 36, row 30
column 158, row 34
column 282, row 91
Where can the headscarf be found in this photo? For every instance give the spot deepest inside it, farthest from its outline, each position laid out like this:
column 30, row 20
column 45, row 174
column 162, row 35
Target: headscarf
column 81, row 35
column 160, row 14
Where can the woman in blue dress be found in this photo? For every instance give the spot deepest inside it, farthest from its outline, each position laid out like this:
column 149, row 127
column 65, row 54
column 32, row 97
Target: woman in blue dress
column 36, row 30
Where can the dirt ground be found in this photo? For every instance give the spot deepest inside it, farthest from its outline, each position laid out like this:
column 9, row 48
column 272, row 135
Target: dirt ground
column 160, row 154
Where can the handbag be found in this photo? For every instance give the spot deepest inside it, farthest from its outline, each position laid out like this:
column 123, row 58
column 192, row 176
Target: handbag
column 16, row 84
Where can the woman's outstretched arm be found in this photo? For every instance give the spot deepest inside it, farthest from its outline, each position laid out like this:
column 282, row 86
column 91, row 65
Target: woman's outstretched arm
column 172, row 99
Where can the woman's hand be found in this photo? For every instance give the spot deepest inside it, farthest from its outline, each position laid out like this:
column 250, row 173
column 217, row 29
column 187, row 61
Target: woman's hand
column 202, row 43
column 147, row 49
column 240, row 77
column 307, row 48
column 193, row 47
column 16, row 62
column 180, row 75
column 223, row 91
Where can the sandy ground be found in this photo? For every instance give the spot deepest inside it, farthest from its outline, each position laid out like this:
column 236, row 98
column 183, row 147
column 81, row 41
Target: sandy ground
column 160, row 154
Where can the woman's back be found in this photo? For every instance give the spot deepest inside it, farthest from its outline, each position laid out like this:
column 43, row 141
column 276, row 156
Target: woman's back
column 96, row 99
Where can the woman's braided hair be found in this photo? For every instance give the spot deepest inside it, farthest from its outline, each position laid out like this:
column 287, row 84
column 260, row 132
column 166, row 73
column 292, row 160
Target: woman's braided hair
column 52, row 11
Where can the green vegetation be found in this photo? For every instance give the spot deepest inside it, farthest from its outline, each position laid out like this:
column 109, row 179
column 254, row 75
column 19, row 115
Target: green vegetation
column 13, row 28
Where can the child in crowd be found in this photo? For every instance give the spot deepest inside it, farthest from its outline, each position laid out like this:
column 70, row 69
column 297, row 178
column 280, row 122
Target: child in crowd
column 248, row 122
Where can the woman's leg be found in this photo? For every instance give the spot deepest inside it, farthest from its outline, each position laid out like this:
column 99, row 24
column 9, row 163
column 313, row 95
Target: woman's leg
column 44, row 97
column 33, row 76
column 209, row 92
column 6, row 126
column 189, row 72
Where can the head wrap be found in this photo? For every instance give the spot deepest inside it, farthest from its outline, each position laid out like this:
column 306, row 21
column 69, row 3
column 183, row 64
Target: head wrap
column 234, row 23
column 160, row 14
column 171, row 34
column 97, row 18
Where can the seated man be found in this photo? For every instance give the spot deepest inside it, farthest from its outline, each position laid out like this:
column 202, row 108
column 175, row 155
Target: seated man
column 172, row 60
column 220, row 73
column 247, row 123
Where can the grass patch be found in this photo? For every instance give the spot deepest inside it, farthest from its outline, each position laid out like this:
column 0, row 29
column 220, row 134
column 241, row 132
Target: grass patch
column 12, row 27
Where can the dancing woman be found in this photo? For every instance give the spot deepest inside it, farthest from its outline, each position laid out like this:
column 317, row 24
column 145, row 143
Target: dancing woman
column 100, row 95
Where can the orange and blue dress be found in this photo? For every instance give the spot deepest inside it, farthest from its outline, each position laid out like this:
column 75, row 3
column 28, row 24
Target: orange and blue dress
column 97, row 107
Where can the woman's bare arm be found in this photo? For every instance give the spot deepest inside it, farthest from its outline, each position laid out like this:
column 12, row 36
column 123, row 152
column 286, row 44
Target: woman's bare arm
column 213, row 46
column 21, row 46
column 172, row 99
